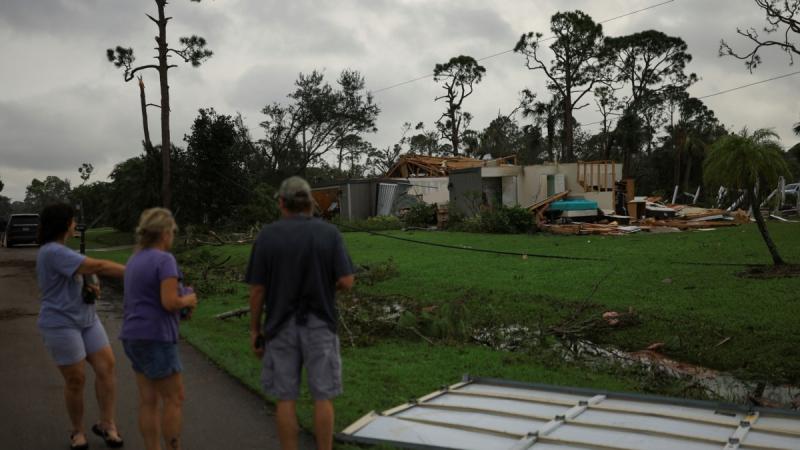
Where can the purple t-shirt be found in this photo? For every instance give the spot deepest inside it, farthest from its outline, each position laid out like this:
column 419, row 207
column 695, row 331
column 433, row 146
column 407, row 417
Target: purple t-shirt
column 144, row 317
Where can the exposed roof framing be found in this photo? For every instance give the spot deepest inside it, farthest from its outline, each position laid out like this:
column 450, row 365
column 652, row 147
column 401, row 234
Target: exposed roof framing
column 435, row 166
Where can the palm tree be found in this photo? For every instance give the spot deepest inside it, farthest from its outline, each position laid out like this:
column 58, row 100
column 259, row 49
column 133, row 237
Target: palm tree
column 746, row 161
column 797, row 128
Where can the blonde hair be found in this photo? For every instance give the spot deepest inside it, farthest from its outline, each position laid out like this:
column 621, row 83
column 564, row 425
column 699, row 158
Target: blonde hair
column 152, row 224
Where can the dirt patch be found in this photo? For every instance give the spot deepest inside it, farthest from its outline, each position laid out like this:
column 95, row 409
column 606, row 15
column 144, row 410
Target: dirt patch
column 769, row 272
column 15, row 313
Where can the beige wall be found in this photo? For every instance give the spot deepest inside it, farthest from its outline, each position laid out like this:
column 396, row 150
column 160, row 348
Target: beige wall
column 530, row 189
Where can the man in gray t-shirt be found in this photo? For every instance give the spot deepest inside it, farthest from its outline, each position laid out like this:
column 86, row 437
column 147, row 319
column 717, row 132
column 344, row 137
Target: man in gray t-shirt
column 296, row 266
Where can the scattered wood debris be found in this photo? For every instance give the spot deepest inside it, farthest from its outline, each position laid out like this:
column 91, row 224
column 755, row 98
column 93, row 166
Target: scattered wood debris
column 681, row 218
column 235, row 313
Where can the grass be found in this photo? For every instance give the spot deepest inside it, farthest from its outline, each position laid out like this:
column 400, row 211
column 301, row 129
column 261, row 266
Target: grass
column 689, row 307
column 684, row 288
column 103, row 238
column 389, row 372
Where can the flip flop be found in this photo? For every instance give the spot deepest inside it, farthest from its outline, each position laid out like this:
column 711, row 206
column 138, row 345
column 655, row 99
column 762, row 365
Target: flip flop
column 111, row 443
column 72, row 444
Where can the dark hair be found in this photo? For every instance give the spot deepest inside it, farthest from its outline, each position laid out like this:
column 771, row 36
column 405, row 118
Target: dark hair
column 54, row 221
column 300, row 202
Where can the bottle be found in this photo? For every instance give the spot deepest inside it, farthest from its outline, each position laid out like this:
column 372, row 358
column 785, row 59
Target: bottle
column 89, row 296
column 182, row 291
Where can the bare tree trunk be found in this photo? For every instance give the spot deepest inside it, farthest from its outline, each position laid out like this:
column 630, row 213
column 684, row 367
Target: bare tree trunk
column 688, row 174
column 626, row 163
column 676, row 150
column 166, row 191
column 454, row 134
column 551, row 131
column 762, row 227
column 569, row 137
column 147, row 144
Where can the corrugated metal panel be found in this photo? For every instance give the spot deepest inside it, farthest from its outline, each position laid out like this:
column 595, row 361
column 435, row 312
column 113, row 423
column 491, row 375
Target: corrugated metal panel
column 486, row 414
column 387, row 193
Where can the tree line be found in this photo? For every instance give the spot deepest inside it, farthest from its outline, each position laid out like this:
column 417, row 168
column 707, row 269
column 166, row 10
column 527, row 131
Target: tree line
column 638, row 84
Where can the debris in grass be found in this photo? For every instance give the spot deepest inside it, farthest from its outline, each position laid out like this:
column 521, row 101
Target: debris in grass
column 235, row 313
column 723, row 342
column 772, row 271
column 611, row 318
column 655, row 347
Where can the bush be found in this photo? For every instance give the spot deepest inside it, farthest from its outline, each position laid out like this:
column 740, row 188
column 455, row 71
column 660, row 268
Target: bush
column 262, row 208
column 420, row 215
column 378, row 223
column 503, row 220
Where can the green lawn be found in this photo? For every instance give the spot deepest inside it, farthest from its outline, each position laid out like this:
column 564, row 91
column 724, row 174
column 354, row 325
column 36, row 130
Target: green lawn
column 102, row 238
column 690, row 307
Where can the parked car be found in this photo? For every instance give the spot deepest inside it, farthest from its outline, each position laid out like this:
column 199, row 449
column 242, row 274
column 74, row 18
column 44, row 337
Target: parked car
column 793, row 188
column 21, row 229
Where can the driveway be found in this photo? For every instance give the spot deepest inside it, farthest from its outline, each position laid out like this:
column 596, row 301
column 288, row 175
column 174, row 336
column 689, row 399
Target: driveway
column 219, row 413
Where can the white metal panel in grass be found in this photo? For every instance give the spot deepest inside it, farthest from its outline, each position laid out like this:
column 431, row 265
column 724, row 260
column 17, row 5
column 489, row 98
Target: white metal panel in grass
column 488, row 414
column 533, row 409
column 505, row 424
column 390, row 429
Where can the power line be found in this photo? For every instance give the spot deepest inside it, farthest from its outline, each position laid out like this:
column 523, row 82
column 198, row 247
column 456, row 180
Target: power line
column 750, row 84
column 727, row 91
column 549, row 38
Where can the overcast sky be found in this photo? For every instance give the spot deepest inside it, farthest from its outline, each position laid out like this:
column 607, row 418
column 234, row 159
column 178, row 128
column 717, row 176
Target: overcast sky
column 62, row 103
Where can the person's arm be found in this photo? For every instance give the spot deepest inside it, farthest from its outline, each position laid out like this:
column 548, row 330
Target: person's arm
column 256, row 311
column 102, row 267
column 342, row 265
column 170, row 299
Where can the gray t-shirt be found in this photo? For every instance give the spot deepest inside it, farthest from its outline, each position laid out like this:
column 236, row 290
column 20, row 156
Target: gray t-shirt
column 60, row 286
column 298, row 260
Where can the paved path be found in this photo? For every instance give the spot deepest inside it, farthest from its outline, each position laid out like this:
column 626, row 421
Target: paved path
column 219, row 412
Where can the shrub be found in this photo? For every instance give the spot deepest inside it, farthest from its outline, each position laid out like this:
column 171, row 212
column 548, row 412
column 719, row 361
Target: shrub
column 506, row 220
column 503, row 220
column 378, row 223
column 262, row 208
column 420, row 215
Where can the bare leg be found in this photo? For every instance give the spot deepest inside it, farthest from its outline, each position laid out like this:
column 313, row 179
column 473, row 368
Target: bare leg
column 102, row 361
column 74, row 380
column 323, row 424
column 170, row 390
column 286, row 416
column 148, row 412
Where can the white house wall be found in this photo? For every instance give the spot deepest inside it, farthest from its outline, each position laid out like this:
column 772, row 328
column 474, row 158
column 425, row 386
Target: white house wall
column 430, row 190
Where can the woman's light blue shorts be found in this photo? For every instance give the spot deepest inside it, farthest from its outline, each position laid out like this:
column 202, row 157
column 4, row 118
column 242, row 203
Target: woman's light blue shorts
column 68, row 345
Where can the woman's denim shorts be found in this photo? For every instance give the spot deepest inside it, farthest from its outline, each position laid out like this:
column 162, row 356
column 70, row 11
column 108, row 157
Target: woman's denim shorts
column 153, row 359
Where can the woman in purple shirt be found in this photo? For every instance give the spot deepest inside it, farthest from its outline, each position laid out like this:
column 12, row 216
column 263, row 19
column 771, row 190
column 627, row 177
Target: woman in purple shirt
column 154, row 298
column 69, row 324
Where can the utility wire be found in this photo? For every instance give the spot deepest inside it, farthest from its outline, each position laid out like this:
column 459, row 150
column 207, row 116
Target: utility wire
column 470, row 249
column 750, row 84
column 727, row 91
column 549, row 38
column 489, row 251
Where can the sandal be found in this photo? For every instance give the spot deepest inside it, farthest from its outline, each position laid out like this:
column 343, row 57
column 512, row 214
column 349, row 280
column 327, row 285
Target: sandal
column 105, row 435
column 74, row 446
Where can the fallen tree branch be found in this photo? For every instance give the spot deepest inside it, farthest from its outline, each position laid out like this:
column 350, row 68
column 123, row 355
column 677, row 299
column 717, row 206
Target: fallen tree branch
column 235, row 313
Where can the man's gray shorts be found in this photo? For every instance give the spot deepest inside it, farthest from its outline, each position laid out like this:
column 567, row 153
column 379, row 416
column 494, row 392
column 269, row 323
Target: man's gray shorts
column 312, row 345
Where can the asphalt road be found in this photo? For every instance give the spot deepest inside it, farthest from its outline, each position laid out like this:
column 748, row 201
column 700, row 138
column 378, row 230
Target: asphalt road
column 219, row 412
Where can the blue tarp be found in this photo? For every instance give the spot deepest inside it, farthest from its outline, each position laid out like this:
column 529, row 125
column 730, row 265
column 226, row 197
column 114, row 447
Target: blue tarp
column 573, row 204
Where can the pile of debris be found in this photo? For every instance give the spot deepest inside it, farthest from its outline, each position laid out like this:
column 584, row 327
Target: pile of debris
column 647, row 214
